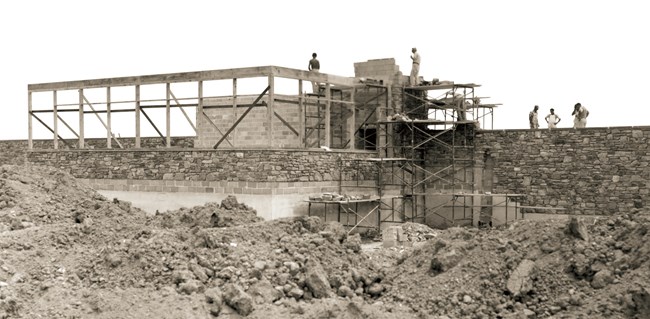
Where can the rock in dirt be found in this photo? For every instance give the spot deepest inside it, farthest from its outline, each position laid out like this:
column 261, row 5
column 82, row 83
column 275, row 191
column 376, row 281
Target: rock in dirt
column 353, row 243
column 238, row 299
column 214, row 298
column 316, row 279
column 447, row 255
column 520, row 282
column 577, row 229
column 602, row 279
column 264, row 292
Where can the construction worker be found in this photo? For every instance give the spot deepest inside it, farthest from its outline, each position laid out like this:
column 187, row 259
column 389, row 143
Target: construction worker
column 532, row 118
column 552, row 119
column 580, row 114
column 415, row 68
column 314, row 67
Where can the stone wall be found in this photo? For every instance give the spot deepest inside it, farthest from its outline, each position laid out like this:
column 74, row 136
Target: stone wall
column 586, row 171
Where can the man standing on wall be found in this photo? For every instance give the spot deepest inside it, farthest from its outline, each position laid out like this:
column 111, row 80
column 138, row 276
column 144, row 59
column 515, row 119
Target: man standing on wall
column 314, row 67
column 532, row 118
column 415, row 68
column 552, row 119
column 580, row 113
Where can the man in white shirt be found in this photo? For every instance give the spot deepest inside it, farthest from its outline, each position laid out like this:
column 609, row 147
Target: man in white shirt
column 580, row 113
column 552, row 119
column 532, row 118
column 415, row 68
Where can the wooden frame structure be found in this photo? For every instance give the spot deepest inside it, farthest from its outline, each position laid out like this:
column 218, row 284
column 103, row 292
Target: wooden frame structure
column 85, row 107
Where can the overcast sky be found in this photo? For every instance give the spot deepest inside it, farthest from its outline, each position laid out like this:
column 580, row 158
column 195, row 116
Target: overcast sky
column 550, row 53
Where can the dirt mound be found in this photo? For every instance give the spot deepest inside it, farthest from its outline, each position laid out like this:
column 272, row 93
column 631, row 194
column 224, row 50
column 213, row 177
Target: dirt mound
column 533, row 268
column 67, row 252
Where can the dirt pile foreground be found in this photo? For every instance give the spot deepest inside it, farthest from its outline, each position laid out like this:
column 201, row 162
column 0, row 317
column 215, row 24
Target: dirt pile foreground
column 67, row 252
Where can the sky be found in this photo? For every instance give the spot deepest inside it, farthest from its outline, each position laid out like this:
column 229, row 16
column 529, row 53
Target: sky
column 524, row 53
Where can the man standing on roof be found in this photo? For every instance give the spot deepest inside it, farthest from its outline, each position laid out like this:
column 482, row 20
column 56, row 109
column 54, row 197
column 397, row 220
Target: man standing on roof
column 580, row 113
column 552, row 119
column 314, row 67
column 415, row 69
column 532, row 118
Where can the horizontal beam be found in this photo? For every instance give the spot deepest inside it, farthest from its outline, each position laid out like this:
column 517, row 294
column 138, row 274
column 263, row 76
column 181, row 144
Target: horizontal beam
column 296, row 74
column 251, row 72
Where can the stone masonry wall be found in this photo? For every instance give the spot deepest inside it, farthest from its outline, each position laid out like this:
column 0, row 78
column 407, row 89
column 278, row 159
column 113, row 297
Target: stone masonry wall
column 204, row 165
column 587, row 171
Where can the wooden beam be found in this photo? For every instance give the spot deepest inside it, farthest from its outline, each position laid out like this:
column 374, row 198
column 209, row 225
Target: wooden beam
column 241, row 118
column 81, row 118
column 55, row 116
column 328, row 120
column 296, row 74
column 352, row 123
column 68, row 126
column 287, row 124
column 199, row 108
column 216, row 127
column 250, row 72
column 301, row 114
column 270, row 109
column 51, row 130
column 100, row 119
column 154, row 126
column 137, row 116
column 179, row 105
column 109, row 132
column 168, row 123
column 30, row 142
column 234, row 108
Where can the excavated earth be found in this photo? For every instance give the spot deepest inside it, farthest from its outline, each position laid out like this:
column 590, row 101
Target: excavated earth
column 68, row 252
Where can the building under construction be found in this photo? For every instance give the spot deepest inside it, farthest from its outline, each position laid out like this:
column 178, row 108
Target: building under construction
column 363, row 150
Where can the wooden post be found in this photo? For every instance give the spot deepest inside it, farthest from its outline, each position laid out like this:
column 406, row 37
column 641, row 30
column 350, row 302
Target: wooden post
column 30, row 142
column 55, row 127
column 168, row 123
column 328, row 120
column 234, row 110
column 352, row 121
column 270, row 109
column 301, row 116
column 137, row 116
column 81, row 118
column 109, row 130
column 199, row 111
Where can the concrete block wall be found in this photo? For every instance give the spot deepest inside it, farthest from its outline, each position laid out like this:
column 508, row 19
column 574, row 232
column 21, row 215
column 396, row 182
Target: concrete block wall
column 379, row 69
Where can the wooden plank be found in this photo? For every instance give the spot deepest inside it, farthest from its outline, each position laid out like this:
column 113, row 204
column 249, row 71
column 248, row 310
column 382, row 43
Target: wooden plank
column 68, row 126
column 234, row 108
column 100, row 119
column 215, row 126
column 352, row 123
column 55, row 116
column 179, row 105
column 81, row 118
column 250, row 72
column 296, row 74
column 301, row 114
column 328, row 120
column 270, row 109
column 287, row 124
column 51, row 130
column 154, row 126
column 109, row 132
column 30, row 142
column 199, row 108
column 137, row 116
column 241, row 118
column 168, row 124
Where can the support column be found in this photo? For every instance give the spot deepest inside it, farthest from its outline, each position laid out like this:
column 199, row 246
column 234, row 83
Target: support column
column 328, row 119
column 30, row 142
column 301, row 115
column 234, row 110
column 81, row 118
column 109, row 130
column 168, row 125
column 137, row 116
column 270, row 109
column 352, row 121
column 55, row 127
